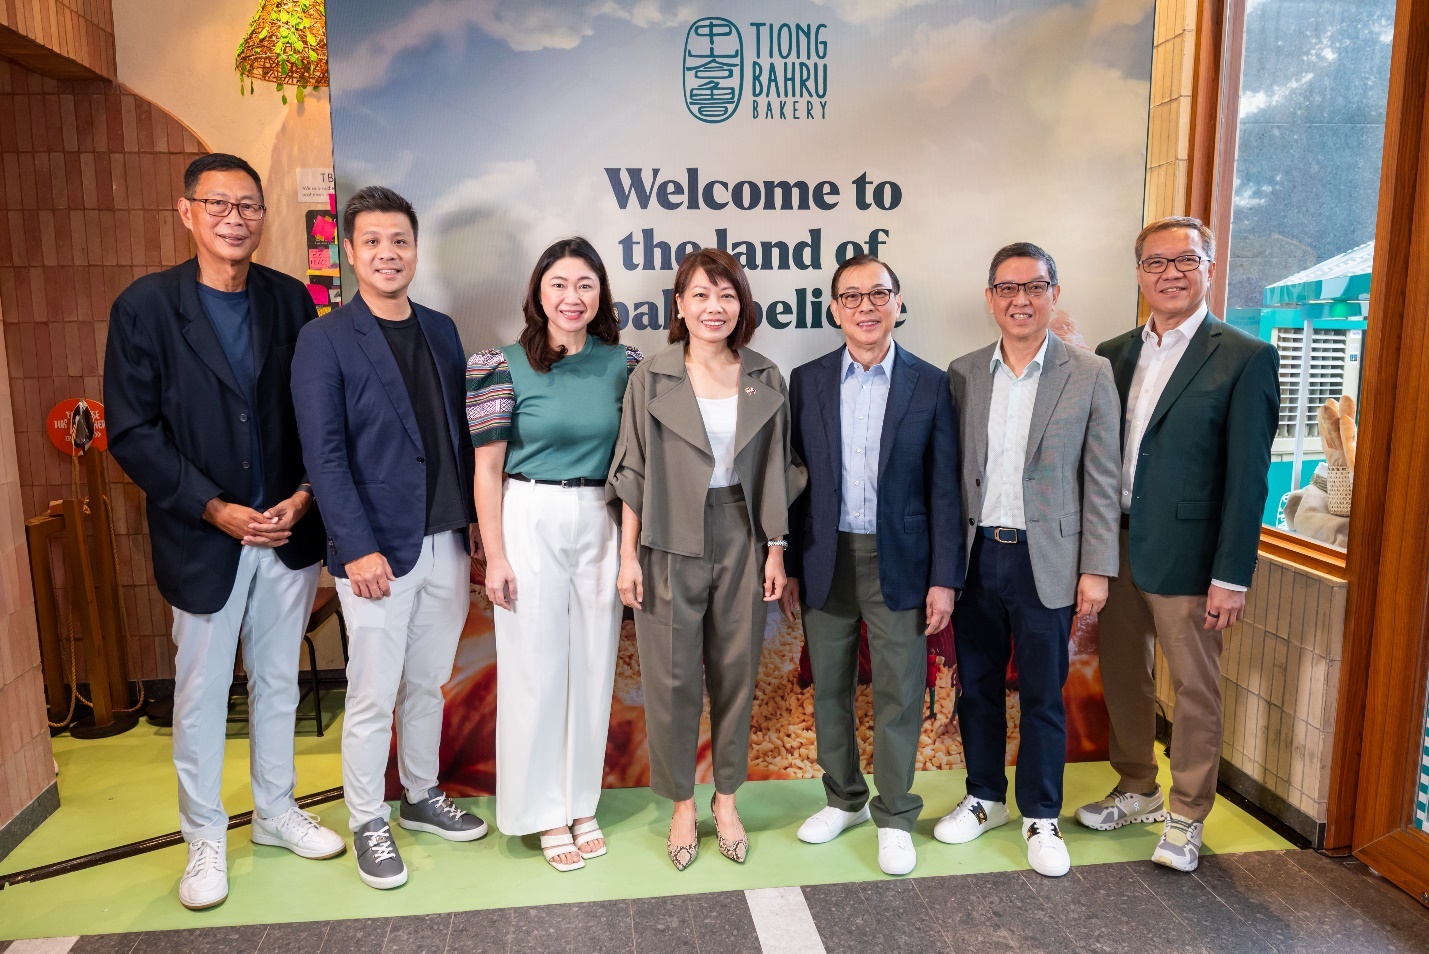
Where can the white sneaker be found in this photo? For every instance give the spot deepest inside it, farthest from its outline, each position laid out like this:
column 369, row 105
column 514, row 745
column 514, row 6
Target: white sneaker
column 205, row 881
column 1046, row 850
column 971, row 818
column 895, row 851
column 299, row 832
column 1180, row 844
column 828, row 823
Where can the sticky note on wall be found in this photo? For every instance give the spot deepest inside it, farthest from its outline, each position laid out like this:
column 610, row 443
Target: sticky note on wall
column 325, row 229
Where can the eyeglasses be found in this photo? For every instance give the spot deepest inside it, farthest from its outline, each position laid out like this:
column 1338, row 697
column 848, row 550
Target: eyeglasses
column 878, row 298
column 1184, row 263
column 1009, row 289
column 219, row 208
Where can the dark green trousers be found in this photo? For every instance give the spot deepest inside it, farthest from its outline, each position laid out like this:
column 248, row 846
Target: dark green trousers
column 899, row 653
column 702, row 626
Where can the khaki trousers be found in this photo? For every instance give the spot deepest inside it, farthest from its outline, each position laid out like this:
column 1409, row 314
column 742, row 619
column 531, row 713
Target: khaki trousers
column 898, row 651
column 1130, row 624
column 702, row 623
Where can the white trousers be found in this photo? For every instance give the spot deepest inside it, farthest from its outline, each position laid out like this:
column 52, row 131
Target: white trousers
column 555, row 655
column 400, row 654
column 267, row 612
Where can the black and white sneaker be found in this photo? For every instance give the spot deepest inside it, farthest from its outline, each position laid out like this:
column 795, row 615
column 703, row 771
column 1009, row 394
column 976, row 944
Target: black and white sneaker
column 378, row 863
column 1046, row 849
column 438, row 815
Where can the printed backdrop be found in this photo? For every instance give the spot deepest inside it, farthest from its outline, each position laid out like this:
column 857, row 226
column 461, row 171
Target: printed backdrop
column 794, row 135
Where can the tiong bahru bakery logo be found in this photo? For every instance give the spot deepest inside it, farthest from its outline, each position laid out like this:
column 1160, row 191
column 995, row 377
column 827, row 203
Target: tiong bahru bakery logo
column 782, row 68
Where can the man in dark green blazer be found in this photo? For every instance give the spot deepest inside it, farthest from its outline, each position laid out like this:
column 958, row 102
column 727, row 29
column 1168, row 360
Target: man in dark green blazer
column 1200, row 402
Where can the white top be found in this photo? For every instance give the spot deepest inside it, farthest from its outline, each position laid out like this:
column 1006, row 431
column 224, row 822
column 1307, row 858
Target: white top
column 720, row 416
column 1009, row 420
column 1153, row 369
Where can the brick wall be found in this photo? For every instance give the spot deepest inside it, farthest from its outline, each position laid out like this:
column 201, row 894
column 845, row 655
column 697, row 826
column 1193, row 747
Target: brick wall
column 90, row 175
column 1169, row 134
column 26, row 766
column 72, row 39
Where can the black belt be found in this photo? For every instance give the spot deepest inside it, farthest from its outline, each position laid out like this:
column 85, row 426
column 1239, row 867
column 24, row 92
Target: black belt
column 1004, row 534
column 568, row 482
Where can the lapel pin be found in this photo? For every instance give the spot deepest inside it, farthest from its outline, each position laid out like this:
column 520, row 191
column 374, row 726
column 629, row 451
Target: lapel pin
column 749, row 390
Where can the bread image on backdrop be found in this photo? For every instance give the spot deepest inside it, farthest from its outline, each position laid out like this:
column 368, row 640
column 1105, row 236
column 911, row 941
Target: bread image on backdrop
column 781, row 741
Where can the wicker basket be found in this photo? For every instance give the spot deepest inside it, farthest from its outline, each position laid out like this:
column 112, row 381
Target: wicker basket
column 1339, row 486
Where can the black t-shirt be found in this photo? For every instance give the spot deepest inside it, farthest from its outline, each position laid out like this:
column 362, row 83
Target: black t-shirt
column 445, row 509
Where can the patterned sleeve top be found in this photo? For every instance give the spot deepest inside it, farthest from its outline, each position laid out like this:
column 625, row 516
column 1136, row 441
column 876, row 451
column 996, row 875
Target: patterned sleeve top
column 490, row 397
column 559, row 424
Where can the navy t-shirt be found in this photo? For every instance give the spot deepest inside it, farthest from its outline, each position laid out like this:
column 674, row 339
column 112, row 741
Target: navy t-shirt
column 229, row 313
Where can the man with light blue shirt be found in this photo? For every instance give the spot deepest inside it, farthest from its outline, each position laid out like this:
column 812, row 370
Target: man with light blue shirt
column 876, row 540
column 1041, row 458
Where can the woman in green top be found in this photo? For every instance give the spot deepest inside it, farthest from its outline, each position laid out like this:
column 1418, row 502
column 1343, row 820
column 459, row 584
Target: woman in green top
column 544, row 414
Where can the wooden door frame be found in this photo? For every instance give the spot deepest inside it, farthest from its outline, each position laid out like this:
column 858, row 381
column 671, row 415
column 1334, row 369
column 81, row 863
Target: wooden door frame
column 1382, row 694
column 1383, row 657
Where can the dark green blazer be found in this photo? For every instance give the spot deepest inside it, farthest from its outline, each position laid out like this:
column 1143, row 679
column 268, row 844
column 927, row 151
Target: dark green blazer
column 1200, row 487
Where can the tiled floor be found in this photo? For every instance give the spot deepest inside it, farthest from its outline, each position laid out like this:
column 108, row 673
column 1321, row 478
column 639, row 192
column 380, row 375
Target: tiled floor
column 1287, row 901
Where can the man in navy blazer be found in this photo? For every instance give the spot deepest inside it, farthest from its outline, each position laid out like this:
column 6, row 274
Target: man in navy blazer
column 200, row 417
column 877, row 539
column 380, row 388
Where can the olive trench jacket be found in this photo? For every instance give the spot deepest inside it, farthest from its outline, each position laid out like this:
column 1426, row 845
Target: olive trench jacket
column 663, row 461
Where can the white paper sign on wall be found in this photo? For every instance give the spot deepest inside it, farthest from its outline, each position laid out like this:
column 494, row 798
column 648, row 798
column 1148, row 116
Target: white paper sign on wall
column 314, row 186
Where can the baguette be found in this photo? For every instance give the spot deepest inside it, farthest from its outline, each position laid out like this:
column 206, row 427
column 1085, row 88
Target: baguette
column 1349, row 435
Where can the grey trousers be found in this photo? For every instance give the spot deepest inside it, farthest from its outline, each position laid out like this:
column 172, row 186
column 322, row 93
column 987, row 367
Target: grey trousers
column 702, row 621
column 898, row 651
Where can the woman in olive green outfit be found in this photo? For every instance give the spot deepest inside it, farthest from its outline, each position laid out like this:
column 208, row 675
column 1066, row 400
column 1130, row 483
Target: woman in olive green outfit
column 704, row 469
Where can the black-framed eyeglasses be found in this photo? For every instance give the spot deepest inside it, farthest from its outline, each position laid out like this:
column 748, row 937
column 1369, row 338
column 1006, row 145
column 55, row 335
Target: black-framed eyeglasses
column 1034, row 289
column 219, row 208
column 1155, row 265
column 878, row 297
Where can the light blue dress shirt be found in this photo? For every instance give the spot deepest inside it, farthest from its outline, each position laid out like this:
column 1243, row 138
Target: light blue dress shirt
column 863, row 397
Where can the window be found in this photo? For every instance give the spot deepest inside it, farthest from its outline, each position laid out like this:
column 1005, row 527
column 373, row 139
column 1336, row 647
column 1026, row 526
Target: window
column 1304, row 96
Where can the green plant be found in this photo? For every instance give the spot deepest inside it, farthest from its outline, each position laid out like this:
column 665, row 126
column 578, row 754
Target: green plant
column 286, row 45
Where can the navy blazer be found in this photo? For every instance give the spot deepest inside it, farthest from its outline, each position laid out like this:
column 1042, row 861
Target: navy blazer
column 360, row 437
column 178, row 423
column 920, row 537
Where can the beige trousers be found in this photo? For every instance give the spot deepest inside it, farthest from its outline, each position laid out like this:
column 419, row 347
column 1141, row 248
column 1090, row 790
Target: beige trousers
column 1130, row 624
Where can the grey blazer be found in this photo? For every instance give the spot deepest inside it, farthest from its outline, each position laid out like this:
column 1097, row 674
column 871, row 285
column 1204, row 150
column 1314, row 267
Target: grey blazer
column 1072, row 475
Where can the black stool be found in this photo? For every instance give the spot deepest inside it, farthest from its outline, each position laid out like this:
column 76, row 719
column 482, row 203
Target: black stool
column 325, row 605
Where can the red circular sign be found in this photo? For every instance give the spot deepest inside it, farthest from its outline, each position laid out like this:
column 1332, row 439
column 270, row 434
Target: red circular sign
column 61, row 418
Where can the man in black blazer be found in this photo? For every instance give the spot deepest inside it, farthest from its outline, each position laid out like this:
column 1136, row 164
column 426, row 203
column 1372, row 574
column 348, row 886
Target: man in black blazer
column 200, row 417
column 380, row 389
column 1200, row 401
column 877, row 538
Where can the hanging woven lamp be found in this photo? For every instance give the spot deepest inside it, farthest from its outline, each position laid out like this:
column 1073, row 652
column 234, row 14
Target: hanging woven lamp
column 286, row 45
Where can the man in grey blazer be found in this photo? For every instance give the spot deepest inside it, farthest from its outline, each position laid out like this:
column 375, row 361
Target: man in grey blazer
column 1041, row 460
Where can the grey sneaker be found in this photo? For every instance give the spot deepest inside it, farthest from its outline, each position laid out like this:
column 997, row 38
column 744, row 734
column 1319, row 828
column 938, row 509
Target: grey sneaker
column 1123, row 808
column 1180, row 844
column 378, row 863
column 438, row 815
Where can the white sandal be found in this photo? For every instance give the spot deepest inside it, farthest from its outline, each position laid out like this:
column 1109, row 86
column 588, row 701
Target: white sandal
column 586, row 832
column 562, row 844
